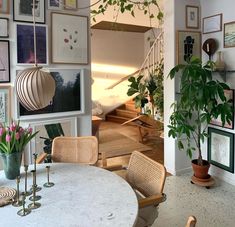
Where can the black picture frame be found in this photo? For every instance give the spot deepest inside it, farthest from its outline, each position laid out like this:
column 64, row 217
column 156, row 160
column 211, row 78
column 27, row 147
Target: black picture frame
column 221, row 149
column 229, row 95
column 5, row 76
column 22, row 11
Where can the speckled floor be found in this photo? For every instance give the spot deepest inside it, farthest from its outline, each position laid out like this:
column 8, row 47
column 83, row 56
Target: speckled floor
column 214, row 207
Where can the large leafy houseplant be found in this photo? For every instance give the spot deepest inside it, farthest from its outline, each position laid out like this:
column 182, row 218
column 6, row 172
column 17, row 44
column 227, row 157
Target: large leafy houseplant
column 201, row 99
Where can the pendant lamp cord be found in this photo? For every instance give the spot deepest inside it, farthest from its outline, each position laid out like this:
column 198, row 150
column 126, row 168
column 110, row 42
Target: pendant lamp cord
column 34, row 35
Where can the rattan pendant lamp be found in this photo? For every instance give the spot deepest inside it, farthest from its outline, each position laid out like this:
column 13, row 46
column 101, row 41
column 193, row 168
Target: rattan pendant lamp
column 35, row 88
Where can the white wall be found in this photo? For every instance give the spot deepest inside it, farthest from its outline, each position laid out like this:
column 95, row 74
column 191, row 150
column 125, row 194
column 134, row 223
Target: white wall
column 118, row 49
column 175, row 161
column 210, row 8
column 84, row 120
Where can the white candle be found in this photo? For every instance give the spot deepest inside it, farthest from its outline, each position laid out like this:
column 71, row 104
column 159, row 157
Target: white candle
column 207, row 47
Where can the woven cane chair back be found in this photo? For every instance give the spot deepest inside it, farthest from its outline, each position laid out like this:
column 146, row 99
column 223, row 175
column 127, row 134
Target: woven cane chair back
column 191, row 221
column 75, row 150
column 145, row 174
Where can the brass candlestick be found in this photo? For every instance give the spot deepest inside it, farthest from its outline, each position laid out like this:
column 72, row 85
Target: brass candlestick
column 24, row 211
column 35, row 160
column 18, row 202
column 26, row 193
column 48, row 184
column 34, row 197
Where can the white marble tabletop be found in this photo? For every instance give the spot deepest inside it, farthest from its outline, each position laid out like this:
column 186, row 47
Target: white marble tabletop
column 83, row 196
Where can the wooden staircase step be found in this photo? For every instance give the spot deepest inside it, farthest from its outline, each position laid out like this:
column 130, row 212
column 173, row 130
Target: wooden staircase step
column 117, row 119
column 126, row 113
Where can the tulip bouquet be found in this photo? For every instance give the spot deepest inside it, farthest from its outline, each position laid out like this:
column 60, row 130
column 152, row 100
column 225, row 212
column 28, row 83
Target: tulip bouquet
column 13, row 138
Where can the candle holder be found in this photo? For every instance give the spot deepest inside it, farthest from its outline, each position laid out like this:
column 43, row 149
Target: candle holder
column 34, row 204
column 35, row 164
column 26, row 193
column 48, row 184
column 17, row 202
column 24, row 211
column 34, row 197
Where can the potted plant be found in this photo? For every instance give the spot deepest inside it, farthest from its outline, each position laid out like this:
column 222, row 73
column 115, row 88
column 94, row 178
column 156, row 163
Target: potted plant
column 13, row 139
column 201, row 99
column 148, row 90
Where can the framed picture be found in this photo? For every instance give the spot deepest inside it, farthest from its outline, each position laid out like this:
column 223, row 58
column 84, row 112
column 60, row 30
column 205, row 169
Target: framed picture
column 229, row 34
column 221, row 149
column 54, row 5
column 230, row 96
column 48, row 130
column 4, row 6
column 5, row 104
column 68, row 99
column 192, row 16
column 4, row 27
column 4, row 61
column 23, row 11
column 70, row 4
column 69, row 39
column 188, row 45
column 212, row 24
column 25, row 44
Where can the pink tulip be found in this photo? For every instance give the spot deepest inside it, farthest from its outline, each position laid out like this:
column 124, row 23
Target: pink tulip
column 30, row 130
column 8, row 138
column 12, row 127
column 17, row 136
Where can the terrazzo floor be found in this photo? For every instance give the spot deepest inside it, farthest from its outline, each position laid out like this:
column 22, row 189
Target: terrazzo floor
column 214, row 207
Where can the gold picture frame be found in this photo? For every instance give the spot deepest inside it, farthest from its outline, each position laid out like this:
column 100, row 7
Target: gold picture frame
column 192, row 16
column 70, row 4
column 5, row 6
column 229, row 34
column 188, row 44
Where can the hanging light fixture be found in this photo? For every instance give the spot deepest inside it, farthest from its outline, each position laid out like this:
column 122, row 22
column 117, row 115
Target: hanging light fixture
column 35, row 88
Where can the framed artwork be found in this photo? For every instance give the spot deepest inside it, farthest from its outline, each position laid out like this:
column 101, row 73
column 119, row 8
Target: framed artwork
column 221, row 149
column 48, row 130
column 69, row 39
column 192, row 16
column 68, row 99
column 70, row 4
column 4, row 61
column 25, row 44
column 230, row 96
column 4, row 6
column 4, row 27
column 5, row 104
column 23, row 11
column 212, row 24
column 54, row 5
column 229, row 34
column 188, row 45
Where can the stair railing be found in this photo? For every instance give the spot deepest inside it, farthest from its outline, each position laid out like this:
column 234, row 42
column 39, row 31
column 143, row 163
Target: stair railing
column 153, row 58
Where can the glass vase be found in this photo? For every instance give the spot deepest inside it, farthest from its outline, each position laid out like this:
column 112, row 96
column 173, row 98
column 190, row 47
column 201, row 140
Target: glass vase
column 11, row 164
column 219, row 64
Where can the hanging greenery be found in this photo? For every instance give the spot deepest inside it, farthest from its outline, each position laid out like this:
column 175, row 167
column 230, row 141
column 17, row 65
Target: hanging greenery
column 123, row 6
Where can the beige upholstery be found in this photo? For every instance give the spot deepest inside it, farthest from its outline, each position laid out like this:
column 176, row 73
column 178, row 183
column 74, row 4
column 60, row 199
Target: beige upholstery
column 147, row 178
column 191, row 221
column 75, row 149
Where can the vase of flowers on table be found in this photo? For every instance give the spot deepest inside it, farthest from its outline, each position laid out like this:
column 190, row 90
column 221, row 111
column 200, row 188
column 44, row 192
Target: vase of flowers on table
column 13, row 139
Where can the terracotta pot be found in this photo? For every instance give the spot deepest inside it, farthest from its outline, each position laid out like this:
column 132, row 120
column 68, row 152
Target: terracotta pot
column 201, row 172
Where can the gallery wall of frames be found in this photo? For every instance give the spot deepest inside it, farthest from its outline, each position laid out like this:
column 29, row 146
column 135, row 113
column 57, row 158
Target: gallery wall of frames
column 62, row 40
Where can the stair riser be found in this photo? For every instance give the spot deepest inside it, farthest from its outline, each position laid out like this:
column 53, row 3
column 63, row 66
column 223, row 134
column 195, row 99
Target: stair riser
column 113, row 119
column 124, row 113
column 131, row 107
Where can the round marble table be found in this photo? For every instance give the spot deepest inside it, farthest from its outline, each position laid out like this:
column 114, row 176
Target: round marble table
column 83, row 196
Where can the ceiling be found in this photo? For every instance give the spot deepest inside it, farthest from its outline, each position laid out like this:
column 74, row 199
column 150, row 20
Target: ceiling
column 107, row 25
